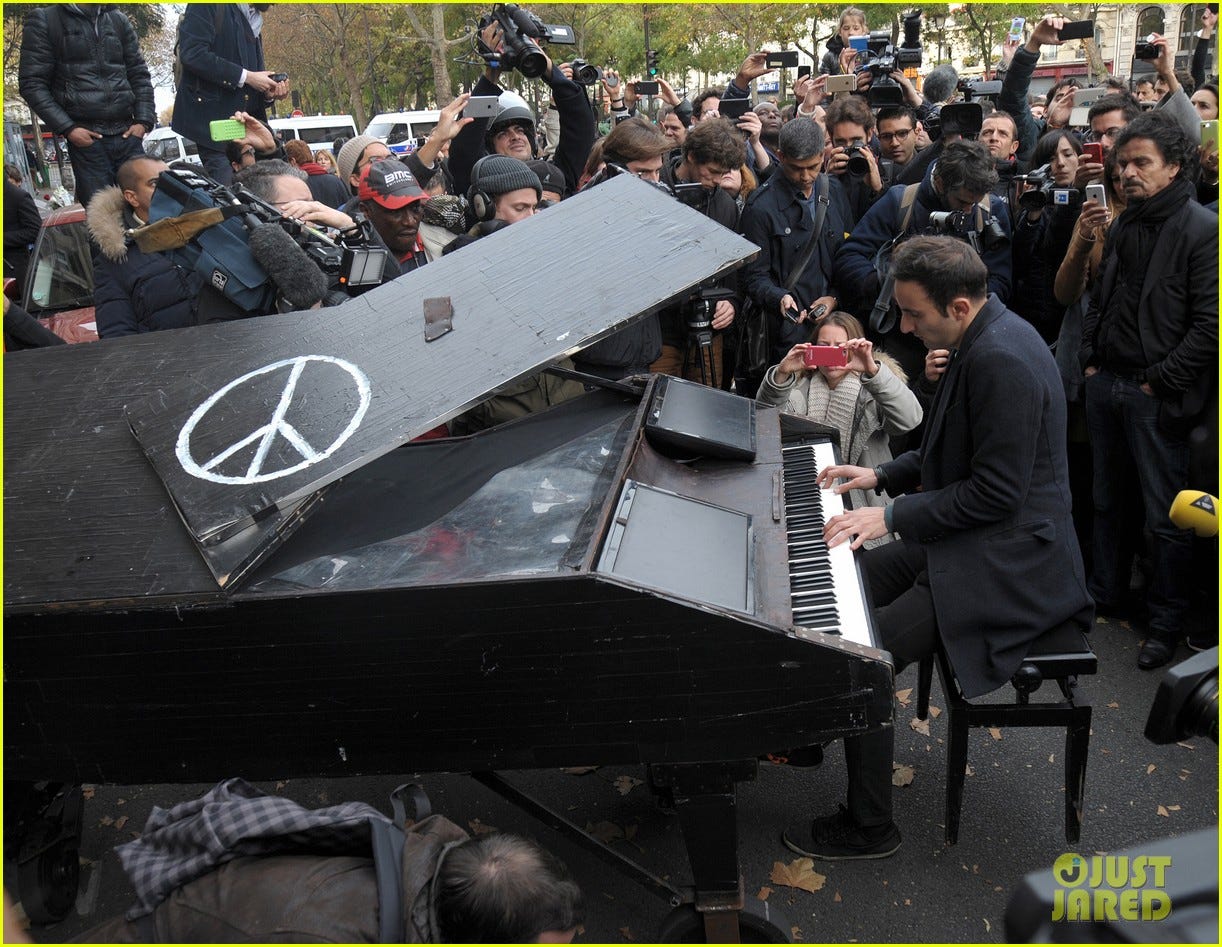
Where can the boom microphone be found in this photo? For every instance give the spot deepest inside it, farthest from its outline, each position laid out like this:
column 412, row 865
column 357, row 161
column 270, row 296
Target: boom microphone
column 1196, row 511
column 299, row 281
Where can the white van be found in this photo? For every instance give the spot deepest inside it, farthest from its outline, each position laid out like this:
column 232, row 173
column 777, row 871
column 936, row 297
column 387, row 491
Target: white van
column 399, row 130
column 167, row 145
column 315, row 130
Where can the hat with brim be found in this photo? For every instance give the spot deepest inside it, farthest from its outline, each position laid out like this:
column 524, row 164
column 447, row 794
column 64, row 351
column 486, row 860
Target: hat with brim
column 389, row 183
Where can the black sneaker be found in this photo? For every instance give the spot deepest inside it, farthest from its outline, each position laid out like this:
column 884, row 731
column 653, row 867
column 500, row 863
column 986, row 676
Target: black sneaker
column 837, row 837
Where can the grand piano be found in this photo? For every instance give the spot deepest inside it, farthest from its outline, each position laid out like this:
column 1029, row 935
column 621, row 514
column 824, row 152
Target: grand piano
column 211, row 570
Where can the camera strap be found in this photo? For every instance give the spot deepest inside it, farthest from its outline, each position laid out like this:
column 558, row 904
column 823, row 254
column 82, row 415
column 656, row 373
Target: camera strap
column 808, row 251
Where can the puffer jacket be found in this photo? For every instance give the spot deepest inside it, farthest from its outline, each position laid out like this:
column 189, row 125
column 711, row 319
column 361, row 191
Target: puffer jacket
column 85, row 69
column 134, row 291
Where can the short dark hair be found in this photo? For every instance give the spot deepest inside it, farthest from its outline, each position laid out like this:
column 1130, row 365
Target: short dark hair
column 715, row 141
column 944, row 267
column 636, row 139
column 889, row 113
column 126, row 175
column 966, row 164
column 1046, row 147
column 800, row 139
column 1114, row 103
column 503, row 889
column 260, row 177
column 233, row 151
column 698, row 101
column 1168, row 137
column 852, row 108
column 1058, row 86
column 1143, row 80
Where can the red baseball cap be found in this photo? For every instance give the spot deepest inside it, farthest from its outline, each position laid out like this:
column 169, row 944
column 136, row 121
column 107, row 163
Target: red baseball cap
column 389, row 183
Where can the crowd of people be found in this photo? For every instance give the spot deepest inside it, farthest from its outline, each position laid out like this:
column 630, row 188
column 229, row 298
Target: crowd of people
column 1026, row 298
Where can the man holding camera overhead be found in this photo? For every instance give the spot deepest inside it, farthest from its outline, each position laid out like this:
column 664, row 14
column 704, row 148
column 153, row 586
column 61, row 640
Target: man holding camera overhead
column 511, row 131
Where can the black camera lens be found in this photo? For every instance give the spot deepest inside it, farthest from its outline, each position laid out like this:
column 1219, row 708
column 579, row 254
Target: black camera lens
column 858, row 165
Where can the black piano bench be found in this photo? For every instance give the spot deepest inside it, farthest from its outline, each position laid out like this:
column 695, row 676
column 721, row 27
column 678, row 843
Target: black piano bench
column 1060, row 655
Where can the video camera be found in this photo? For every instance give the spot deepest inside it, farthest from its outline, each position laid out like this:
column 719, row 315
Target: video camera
column 973, row 90
column 1042, row 191
column 222, row 233
column 885, row 58
column 522, row 32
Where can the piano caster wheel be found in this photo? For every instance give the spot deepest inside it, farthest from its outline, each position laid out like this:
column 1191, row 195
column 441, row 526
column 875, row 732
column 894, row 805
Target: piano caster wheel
column 758, row 923
column 47, row 883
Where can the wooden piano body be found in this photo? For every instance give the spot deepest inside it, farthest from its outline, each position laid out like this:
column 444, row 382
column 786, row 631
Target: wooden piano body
column 433, row 606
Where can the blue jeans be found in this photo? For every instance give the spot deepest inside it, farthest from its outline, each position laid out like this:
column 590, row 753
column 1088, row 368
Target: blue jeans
column 94, row 166
column 1122, row 421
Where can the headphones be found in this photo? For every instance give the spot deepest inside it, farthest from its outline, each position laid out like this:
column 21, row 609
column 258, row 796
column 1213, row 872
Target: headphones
column 482, row 204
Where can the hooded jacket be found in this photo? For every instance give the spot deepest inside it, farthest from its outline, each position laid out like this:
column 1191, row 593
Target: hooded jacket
column 85, row 69
column 134, row 291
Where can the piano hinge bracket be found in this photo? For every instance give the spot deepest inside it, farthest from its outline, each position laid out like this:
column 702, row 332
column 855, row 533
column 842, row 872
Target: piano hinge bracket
column 778, row 497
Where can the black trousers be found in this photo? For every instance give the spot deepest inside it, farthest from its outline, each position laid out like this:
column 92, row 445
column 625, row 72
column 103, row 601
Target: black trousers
column 904, row 616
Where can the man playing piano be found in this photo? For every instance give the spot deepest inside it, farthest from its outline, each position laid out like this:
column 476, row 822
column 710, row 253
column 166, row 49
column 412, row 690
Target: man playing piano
column 988, row 560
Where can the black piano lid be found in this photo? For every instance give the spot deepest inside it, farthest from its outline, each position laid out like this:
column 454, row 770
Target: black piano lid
column 87, row 517
column 281, row 414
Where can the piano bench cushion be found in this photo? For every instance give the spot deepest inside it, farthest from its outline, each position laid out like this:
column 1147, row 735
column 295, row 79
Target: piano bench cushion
column 1062, row 652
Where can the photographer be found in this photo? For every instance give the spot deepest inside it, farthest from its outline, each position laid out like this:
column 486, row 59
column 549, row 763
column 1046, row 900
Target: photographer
column 850, row 126
column 712, row 148
column 514, row 120
column 960, row 185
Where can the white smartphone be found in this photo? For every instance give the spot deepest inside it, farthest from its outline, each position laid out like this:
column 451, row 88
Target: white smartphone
column 1016, row 29
column 1096, row 193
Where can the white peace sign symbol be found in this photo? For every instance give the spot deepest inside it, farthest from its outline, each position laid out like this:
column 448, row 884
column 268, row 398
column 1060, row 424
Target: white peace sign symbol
column 276, row 427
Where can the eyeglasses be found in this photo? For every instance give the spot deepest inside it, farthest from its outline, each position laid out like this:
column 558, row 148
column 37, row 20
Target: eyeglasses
column 901, row 135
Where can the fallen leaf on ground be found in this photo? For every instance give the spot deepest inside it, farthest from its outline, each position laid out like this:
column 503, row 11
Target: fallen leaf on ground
column 904, row 696
column 1162, row 810
column 1052, row 757
column 625, row 784
column 578, row 770
column 995, row 733
column 1186, row 746
column 1183, row 774
column 968, row 771
column 901, row 774
column 478, row 828
column 605, row 832
column 280, row 785
column 987, row 926
column 799, row 873
column 87, row 792
column 120, row 822
column 1173, row 808
column 920, row 726
column 1150, row 769
column 627, row 934
column 763, row 893
column 836, row 897
column 1114, row 705
column 935, row 712
column 120, row 802
column 795, row 932
column 907, row 902
column 106, row 820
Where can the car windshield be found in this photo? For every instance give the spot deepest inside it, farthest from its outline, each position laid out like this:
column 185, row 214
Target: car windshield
column 62, row 270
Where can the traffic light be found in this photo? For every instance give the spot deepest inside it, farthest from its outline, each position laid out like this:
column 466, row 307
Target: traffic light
column 651, row 63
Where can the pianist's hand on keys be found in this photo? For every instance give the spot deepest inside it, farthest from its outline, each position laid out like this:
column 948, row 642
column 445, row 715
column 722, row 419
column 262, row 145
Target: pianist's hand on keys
column 856, row 525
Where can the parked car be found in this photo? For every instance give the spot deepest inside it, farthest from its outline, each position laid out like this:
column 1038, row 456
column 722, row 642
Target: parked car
column 59, row 281
column 315, row 130
column 167, row 145
column 400, row 131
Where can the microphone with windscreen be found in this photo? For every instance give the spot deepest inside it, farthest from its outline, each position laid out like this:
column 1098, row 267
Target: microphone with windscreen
column 295, row 275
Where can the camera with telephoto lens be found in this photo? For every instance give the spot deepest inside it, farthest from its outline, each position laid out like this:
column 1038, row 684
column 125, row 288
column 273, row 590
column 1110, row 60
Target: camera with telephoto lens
column 1145, row 49
column 522, row 32
column 584, row 73
column 885, row 58
column 962, row 224
column 858, row 165
column 1042, row 191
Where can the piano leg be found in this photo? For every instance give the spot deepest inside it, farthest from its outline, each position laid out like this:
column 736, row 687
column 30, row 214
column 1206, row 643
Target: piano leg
column 704, row 798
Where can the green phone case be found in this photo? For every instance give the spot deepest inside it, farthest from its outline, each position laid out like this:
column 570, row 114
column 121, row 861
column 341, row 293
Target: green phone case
column 226, row 129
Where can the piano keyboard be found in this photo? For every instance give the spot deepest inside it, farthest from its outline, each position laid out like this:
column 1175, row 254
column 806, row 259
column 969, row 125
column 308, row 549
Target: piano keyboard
column 824, row 584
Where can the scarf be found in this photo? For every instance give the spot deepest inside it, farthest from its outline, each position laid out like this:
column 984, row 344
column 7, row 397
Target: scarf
column 1135, row 232
column 836, row 407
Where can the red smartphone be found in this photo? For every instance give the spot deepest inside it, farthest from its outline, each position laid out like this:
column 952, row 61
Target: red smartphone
column 830, row 356
column 1094, row 151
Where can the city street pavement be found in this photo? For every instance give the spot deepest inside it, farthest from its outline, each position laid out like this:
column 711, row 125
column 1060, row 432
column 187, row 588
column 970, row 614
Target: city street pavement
column 1136, row 794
